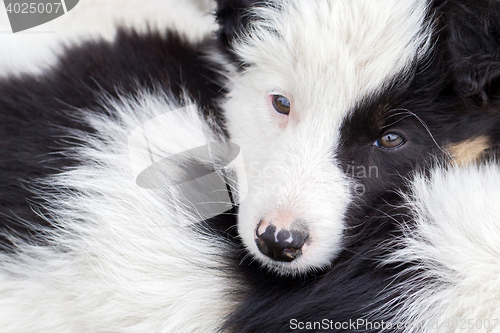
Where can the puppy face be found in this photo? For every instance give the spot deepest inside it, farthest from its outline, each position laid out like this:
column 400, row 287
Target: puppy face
column 336, row 103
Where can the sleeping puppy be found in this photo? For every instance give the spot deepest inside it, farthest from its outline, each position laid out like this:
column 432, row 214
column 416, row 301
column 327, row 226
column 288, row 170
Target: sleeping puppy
column 356, row 122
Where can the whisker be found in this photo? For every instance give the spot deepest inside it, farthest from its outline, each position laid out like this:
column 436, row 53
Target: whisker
column 234, row 78
column 427, row 129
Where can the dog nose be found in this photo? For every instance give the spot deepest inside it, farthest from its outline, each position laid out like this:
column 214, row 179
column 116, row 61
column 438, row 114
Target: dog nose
column 283, row 245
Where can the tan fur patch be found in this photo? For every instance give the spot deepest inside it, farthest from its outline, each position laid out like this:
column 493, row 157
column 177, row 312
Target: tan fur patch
column 469, row 151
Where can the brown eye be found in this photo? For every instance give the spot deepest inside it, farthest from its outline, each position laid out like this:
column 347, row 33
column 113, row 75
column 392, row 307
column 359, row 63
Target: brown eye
column 390, row 141
column 281, row 104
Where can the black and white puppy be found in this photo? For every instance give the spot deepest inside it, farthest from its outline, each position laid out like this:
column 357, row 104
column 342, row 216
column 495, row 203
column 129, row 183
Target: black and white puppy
column 339, row 105
column 338, row 102
column 367, row 187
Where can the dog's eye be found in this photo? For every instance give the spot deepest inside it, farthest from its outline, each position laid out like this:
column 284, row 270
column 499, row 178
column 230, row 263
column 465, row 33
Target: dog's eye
column 281, row 104
column 390, row 141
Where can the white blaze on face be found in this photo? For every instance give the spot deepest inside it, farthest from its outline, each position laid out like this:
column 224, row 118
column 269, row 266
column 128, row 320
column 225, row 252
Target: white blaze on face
column 324, row 56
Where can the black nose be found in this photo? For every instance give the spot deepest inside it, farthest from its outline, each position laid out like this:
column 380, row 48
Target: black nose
column 286, row 245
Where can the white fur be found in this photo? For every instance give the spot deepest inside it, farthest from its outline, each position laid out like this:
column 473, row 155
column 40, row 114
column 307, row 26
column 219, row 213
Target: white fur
column 36, row 49
column 121, row 259
column 324, row 56
column 457, row 243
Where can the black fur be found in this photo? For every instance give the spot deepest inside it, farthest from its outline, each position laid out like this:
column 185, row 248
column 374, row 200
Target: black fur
column 471, row 31
column 233, row 18
column 34, row 116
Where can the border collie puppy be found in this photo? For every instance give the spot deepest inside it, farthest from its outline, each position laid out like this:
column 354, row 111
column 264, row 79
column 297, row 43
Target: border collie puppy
column 367, row 188
column 338, row 102
column 329, row 90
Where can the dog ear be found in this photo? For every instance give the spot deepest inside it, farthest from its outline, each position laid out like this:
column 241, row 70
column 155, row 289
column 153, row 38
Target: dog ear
column 471, row 30
column 234, row 17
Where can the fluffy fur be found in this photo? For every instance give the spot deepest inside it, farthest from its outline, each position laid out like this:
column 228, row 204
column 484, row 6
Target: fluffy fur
column 393, row 233
column 129, row 266
column 454, row 250
column 65, row 133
